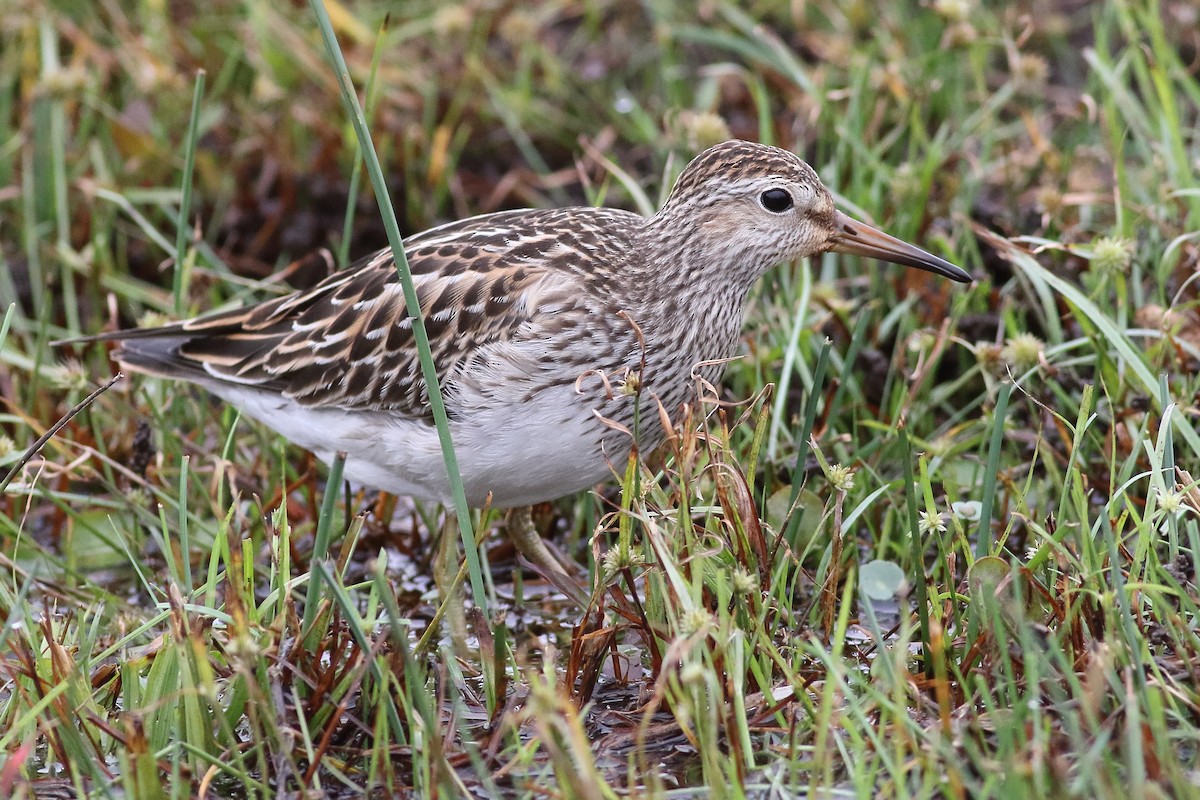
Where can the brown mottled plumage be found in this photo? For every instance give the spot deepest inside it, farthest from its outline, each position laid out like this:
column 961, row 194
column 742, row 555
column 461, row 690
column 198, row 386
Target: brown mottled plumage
column 347, row 343
column 534, row 319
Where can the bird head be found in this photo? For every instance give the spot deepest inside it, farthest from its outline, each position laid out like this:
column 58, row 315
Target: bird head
column 754, row 205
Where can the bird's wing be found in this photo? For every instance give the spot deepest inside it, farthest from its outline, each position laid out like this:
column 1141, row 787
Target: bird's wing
column 348, row 342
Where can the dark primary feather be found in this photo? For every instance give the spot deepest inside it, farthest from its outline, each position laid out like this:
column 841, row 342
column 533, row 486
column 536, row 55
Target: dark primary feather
column 348, row 342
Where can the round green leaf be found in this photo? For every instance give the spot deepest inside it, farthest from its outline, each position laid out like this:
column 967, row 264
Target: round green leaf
column 881, row 580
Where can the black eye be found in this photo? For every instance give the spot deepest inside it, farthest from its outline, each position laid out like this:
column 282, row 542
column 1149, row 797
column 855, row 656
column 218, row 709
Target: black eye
column 776, row 201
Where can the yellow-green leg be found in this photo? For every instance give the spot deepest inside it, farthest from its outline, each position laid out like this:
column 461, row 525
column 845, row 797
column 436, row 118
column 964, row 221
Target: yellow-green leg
column 524, row 536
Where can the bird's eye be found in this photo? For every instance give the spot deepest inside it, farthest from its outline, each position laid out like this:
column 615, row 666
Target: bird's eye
column 776, row 201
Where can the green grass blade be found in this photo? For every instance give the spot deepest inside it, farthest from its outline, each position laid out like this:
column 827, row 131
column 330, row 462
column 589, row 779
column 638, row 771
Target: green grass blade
column 182, row 227
column 428, row 369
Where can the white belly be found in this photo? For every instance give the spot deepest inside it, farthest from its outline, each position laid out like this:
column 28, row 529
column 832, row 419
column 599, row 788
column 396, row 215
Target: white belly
column 550, row 446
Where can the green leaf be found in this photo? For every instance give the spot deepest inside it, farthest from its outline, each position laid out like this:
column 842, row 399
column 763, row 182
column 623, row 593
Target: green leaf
column 881, row 580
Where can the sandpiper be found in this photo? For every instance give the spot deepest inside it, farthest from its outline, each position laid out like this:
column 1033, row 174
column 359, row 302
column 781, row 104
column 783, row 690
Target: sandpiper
column 541, row 322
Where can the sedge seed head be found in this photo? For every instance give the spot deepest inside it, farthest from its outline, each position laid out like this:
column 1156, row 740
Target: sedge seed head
column 694, row 621
column 842, row 477
column 953, row 10
column 1112, row 254
column 743, row 582
column 1022, row 351
column 702, row 129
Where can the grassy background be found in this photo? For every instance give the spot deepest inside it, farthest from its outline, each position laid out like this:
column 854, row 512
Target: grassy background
column 949, row 553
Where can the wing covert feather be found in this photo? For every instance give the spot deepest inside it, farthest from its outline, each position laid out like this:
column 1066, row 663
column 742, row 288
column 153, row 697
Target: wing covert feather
column 348, row 341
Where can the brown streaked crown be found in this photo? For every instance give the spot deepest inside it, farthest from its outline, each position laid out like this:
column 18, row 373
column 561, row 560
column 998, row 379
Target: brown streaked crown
column 737, row 159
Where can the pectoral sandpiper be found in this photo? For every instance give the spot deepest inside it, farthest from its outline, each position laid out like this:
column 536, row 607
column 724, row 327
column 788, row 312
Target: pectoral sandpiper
column 534, row 316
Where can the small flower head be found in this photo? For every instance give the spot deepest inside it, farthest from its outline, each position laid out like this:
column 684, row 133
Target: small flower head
column 1022, row 351
column 7, row 446
column 70, row 374
column 931, row 522
column 960, row 34
column 1170, row 502
column 1050, row 199
column 842, row 477
column 1030, row 72
column 953, row 10
column 921, row 340
column 743, row 582
column 989, row 356
column 243, row 648
column 1111, row 254
column 1152, row 315
column 692, row 674
column 65, row 83
column 631, row 384
column 519, row 27
column 694, row 621
column 620, row 558
column 153, row 319
column 702, row 129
